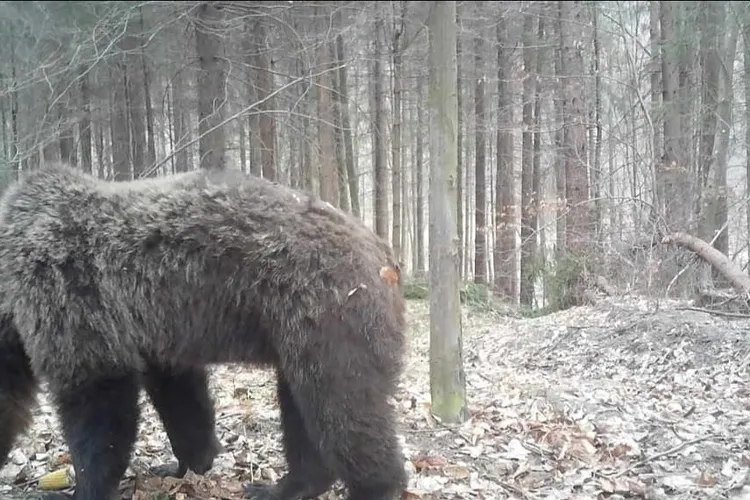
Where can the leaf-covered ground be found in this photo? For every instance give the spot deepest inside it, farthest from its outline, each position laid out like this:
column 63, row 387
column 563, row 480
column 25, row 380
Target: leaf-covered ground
column 629, row 398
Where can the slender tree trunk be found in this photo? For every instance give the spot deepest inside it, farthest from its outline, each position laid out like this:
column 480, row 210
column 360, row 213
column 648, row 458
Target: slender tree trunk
column 396, row 146
column 151, row 144
column 447, row 378
column 419, row 166
column 119, row 124
column 480, row 189
column 746, row 57
column 14, row 159
column 351, row 172
column 180, row 124
column 84, row 126
column 655, row 77
column 559, row 104
column 596, row 168
column 326, row 149
column 726, row 99
column 538, row 185
column 381, row 189
column 528, row 212
column 211, row 87
column 710, row 61
column 505, row 235
column 338, row 134
column 266, row 121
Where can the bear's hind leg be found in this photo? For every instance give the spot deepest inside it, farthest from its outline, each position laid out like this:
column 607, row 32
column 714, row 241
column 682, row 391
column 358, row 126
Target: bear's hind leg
column 308, row 476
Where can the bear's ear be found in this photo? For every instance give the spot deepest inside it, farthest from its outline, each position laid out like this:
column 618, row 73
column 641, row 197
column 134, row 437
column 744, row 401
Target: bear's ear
column 391, row 275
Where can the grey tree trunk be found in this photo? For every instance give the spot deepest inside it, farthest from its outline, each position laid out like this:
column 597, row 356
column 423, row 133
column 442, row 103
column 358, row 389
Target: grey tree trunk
column 447, row 378
column 211, row 87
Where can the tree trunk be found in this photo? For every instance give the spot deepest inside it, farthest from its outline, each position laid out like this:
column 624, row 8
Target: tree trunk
column 329, row 190
column 84, row 126
column 351, row 173
column 419, row 166
column 180, row 123
column 724, row 112
column 264, row 86
column 447, row 378
column 211, row 86
column 746, row 57
column 151, row 144
column 577, row 227
column 596, row 168
column 396, row 144
column 119, row 124
column 14, row 159
column 538, row 185
column 655, row 77
column 338, row 133
column 460, row 149
column 528, row 213
column 710, row 60
column 672, row 172
column 505, row 221
column 559, row 103
column 381, row 189
column 480, row 188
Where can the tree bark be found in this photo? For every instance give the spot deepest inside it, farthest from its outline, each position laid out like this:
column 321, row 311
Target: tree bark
column 505, row 220
column 84, row 126
column 351, row 173
column 381, row 189
column 728, row 269
column 578, row 220
column 211, row 86
column 528, row 212
column 672, row 171
column 480, row 189
column 264, row 85
column 447, row 378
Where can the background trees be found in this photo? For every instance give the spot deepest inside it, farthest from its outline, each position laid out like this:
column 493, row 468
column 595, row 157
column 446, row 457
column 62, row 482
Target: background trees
column 587, row 131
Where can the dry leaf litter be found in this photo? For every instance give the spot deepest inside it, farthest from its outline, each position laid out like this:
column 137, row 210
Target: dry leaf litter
column 626, row 399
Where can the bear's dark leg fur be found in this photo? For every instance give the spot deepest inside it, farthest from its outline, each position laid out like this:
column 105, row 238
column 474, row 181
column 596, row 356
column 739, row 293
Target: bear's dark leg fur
column 352, row 426
column 184, row 405
column 307, row 477
column 18, row 387
column 99, row 420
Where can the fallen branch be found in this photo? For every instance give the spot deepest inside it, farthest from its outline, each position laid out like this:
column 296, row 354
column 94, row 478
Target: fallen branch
column 716, row 312
column 728, row 269
column 662, row 454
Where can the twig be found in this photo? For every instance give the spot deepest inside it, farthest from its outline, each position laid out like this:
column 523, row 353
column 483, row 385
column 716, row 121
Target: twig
column 714, row 312
column 670, row 451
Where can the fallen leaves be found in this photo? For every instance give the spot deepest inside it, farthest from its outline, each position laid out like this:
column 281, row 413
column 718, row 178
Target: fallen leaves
column 610, row 401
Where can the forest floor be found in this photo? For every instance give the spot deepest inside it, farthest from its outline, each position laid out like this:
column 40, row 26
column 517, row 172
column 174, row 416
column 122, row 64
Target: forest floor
column 628, row 398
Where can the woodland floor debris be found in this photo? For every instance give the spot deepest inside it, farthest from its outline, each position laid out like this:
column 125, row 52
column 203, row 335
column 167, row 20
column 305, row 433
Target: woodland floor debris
column 630, row 398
